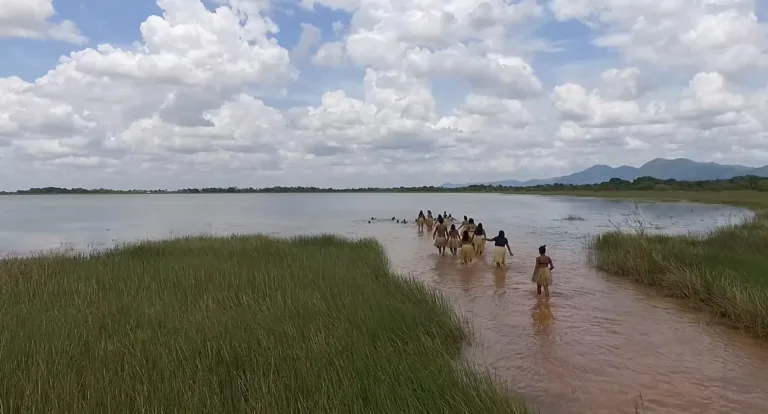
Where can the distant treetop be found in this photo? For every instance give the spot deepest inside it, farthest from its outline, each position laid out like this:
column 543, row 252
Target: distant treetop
column 747, row 182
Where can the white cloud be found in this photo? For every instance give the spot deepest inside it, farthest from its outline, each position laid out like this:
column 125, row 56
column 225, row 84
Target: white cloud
column 707, row 34
column 310, row 37
column 33, row 19
column 409, row 92
column 330, row 54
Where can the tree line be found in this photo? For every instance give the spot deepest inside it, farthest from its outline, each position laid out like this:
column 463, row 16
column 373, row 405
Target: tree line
column 748, row 182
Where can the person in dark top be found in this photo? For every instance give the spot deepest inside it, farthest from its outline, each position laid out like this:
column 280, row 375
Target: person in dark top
column 500, row 249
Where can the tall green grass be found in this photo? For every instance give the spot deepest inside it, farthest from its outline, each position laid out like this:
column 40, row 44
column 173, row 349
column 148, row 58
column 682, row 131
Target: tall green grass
column 235, row 324
column 725, row 271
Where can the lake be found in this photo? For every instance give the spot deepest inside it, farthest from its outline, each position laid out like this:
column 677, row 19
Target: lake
column 594, row 346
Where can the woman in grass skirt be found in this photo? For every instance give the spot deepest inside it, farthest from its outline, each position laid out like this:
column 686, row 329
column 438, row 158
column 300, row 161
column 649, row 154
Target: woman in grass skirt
column 430, row 220
column 454, row 241
column 478, row 240
column 440, row 235
column 542, row 272
column 500, row 249
column 420, row 220
column 467, row 251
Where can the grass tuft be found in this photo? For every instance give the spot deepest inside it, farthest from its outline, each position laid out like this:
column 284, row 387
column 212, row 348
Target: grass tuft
column 232, row 324
column 724, row 271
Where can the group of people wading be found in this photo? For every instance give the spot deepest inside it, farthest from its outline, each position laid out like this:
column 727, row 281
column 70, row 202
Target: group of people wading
column 469, row 241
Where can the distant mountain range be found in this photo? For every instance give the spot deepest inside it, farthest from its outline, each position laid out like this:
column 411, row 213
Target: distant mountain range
column 681, row 169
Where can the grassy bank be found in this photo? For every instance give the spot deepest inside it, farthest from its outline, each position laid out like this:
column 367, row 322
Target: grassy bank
column 236, row 324
column 725, row 272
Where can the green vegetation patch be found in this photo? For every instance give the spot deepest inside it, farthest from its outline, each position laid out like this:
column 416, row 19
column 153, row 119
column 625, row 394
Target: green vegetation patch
column 235, row 324
column 725, row 271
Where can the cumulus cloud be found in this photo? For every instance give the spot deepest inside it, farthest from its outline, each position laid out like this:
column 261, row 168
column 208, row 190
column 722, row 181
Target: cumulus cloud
column 408, row 92
column 34, row 19
column 708, row 34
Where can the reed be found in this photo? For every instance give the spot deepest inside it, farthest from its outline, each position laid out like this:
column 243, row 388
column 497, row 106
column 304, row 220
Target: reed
column 572, row 217
column 724, row 271
column 232, row 324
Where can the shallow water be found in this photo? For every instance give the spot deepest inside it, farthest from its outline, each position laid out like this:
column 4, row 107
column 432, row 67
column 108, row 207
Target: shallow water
column 593, row 347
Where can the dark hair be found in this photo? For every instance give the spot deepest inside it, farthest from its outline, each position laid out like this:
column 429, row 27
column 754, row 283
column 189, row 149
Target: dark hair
column 543, row 249
column 465, row 236
column 471, row 221
column 429, row 211
column 440, row 219
column 421, row 213
column 501, row 233
column 465, row 218
column 479, row 229
column 453, row 227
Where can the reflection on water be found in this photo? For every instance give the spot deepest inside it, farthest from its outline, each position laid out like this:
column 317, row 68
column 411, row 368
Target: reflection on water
column 542, row 317
column 592, row 347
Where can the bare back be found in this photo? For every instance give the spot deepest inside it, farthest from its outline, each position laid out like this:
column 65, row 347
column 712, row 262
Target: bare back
column 441, row 230
column 543, row 261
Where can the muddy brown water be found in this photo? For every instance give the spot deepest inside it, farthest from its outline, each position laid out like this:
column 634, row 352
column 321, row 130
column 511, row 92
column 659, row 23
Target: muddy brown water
column 596, row 346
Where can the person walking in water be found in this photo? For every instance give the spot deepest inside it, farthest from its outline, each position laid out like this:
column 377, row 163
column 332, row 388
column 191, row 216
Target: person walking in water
column 454, row 241
column 420, row 220
column 500, row 249
column 542, row 272
column 430, row 220
column 440, row 235
column 478, row 240
column 471, row 226
column 467, row 251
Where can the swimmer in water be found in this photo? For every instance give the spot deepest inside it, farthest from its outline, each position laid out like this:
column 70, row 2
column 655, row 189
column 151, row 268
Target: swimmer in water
column 420, row 220
column 440, row 235
column 542, row 272
column 467, row 251
column 454, row 241
column 500, row 249
column 478, row 240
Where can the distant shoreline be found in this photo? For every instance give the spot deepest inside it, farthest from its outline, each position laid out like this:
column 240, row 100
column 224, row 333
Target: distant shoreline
column 615, row 185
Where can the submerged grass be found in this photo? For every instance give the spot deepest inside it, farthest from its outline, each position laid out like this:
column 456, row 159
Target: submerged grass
column 724, row 271
column 572, row 217
column 234, row 324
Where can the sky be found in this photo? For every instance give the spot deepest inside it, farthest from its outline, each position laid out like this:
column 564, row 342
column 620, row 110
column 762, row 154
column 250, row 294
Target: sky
column 359, row 93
